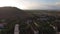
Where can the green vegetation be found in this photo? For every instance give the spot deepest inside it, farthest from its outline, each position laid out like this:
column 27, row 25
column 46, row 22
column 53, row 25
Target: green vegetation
column 35, row 23
column 9, row 28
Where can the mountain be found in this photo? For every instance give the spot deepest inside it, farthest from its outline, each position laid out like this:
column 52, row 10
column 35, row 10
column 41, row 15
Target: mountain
column 12, row 13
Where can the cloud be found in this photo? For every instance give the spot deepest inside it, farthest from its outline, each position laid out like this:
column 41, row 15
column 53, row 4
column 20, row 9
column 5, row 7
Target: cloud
column 40, row 5
column 58, row 3
column 27, row 4
column 53, row 6
column 33, row 5
column 30, row 4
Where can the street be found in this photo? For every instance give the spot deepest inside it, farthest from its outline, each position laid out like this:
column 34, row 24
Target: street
column 16, row 30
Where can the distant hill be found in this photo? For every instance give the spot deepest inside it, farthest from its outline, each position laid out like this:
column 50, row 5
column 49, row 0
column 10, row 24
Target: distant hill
column 12, row 13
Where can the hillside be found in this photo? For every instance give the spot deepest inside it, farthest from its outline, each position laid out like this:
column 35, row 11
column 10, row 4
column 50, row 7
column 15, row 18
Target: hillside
column 12, row 13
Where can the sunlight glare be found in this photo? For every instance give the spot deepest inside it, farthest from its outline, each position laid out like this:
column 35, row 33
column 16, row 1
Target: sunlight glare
column 13, row 3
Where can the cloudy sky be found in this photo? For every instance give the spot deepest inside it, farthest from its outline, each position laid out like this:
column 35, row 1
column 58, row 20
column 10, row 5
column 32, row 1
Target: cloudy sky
column 32, row 4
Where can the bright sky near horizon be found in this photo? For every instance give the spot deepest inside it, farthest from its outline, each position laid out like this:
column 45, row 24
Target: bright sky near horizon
column 32, row 4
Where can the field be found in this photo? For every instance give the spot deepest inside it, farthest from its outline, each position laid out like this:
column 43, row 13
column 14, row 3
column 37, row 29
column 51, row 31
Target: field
column 53, row 12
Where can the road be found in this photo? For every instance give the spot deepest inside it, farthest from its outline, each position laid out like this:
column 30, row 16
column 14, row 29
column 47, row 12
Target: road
column 58, row 32
column 16, row 30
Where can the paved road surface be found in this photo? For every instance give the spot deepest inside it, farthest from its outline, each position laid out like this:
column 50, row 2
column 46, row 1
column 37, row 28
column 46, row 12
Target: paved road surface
column 16, row 30
column 58, row 32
